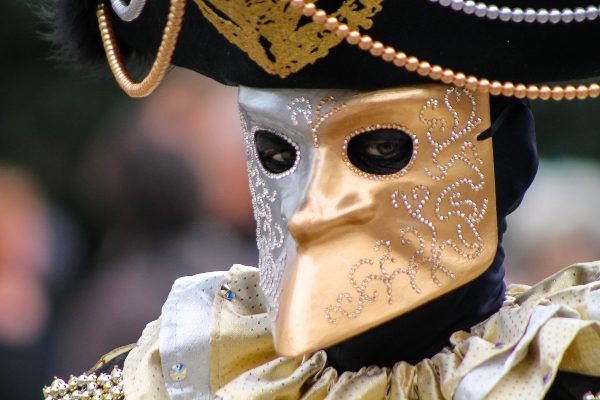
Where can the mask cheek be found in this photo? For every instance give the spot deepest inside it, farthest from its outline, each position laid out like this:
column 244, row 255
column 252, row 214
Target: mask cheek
column 270, row 228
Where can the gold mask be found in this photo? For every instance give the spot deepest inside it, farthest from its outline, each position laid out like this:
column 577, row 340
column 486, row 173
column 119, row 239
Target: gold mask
column 343, row 249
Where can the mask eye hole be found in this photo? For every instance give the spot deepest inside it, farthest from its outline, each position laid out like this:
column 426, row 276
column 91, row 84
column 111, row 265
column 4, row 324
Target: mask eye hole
column 382, row 151
column 277, row 154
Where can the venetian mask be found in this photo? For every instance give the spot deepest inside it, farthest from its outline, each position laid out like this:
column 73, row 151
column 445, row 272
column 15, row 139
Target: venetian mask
column 368, row 204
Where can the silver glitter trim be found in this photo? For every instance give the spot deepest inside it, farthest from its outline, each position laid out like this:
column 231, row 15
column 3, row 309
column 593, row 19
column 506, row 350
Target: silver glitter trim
column 269, row 235
column 281, row 135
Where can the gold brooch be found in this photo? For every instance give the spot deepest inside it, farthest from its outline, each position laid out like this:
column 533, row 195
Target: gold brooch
column 87, row 387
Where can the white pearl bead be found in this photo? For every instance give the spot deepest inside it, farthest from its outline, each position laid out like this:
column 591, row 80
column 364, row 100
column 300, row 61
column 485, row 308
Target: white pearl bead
column 554, row 16
column 530, row 15
column 469, row 7
column 542, row 16
column 480, row 9
column 579, row 14
column 493, row 12
column 505, row 14
column 457, row 5
column 591, row 13
column 517, row 15
column 567, row 15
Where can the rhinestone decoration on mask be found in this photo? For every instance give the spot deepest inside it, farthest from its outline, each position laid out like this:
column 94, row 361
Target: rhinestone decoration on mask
column 301, row 105
column 414, row 202
column 257, row 161
column 269, row 235
column 402, row 172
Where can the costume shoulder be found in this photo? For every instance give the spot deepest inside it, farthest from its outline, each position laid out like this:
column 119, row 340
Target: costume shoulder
column 159, row 365
column 213, row 338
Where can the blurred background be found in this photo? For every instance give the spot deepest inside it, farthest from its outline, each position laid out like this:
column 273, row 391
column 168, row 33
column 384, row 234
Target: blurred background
column 104, row 201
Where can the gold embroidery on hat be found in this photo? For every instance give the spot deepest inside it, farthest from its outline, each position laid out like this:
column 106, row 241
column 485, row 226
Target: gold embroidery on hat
column 275, row 35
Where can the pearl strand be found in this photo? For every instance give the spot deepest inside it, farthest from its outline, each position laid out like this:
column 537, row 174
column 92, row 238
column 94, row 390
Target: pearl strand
column 436, row 72
column 529, row 15
column 163, row 56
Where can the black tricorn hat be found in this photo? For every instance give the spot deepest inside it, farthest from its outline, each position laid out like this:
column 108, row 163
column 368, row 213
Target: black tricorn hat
column 272, row 43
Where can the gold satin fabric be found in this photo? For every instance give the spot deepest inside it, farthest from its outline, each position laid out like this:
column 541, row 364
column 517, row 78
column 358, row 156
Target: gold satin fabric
column 244, row 365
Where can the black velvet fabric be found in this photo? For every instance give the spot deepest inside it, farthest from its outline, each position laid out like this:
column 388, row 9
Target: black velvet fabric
column 425, row 331
column 493, row 49
column 567, row 386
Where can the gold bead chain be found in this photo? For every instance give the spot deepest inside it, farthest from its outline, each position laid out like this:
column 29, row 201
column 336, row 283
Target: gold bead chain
column 163, row 56
column 436, row 72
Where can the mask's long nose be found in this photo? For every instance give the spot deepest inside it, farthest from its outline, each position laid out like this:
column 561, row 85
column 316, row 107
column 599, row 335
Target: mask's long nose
column 333, row 199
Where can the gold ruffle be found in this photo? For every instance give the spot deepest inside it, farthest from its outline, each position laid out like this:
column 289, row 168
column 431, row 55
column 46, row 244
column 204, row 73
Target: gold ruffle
column 539, row 331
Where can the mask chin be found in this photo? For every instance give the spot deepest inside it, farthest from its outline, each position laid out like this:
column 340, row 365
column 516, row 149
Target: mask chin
column 369, row 247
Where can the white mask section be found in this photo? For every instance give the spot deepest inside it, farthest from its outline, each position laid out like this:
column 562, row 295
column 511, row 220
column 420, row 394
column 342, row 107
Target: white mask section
column 293, row 115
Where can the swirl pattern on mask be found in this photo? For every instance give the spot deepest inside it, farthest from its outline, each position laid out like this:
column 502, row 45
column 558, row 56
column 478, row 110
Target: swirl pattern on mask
column 269, row 234
column 302, row 106
column 442, row 209
column 385, row 277
column 452, row 193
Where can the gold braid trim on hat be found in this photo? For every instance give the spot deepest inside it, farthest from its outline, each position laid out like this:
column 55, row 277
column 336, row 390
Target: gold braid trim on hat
column 163, row 56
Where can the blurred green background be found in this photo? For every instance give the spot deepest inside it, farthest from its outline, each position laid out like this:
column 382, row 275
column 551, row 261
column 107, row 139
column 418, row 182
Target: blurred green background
column 47, row 112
